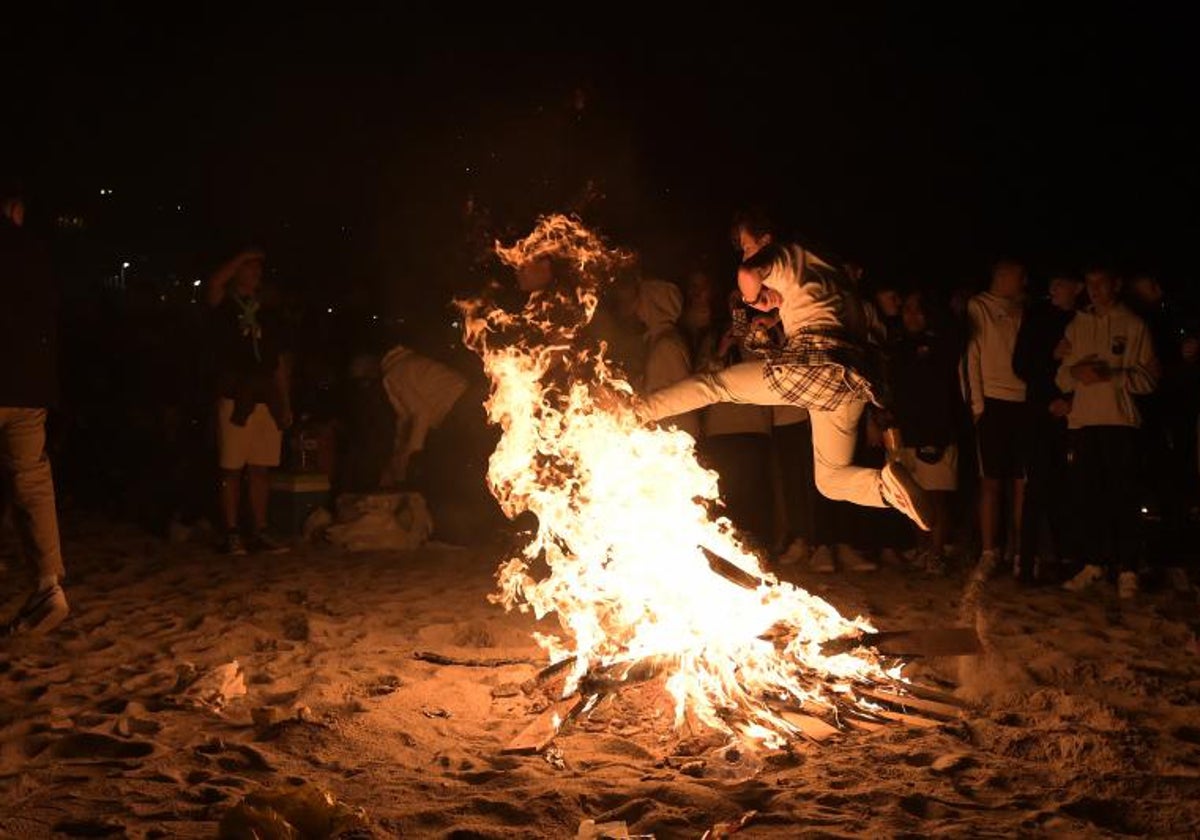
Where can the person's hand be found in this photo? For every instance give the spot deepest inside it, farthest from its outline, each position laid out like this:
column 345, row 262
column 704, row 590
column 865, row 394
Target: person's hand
column 767, row 299
column 1190, row 348
column 1062, row 350
column 763, row 322
column 1060, row 407
column 1091, row 371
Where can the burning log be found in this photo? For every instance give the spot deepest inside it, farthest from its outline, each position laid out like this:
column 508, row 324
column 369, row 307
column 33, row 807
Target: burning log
column 466, row 662
column 949, row 641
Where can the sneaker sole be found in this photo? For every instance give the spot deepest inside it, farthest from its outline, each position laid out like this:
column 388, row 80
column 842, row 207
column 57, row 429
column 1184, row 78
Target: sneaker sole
column 910, row 498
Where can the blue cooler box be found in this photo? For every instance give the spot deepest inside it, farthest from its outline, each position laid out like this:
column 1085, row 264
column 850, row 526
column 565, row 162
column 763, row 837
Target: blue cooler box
column 294, row 495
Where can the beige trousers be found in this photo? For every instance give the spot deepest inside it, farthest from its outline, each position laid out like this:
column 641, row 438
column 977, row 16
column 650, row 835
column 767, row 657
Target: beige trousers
column 26, row 469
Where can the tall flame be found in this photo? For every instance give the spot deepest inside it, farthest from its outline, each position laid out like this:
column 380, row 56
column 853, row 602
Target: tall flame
column 625, row 515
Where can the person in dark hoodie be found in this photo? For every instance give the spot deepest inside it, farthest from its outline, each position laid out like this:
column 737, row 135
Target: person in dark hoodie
column 28, row 387
column 1039, row 349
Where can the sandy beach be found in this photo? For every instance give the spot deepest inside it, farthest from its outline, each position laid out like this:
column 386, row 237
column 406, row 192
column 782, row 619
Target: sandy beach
column 1083, row 716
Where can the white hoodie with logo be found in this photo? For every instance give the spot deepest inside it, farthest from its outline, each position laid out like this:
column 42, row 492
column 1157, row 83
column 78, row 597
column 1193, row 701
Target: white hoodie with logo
column 1120, row 338
column 994, row 324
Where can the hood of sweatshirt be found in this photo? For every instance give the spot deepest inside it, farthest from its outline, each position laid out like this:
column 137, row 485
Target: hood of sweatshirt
column 659, row 306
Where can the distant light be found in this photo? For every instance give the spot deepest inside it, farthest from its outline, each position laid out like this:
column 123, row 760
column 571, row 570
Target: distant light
column 1145, row 510
column 330, row 310
column 179, row 207
column 374, row 317
column 195, row 282
column 454, row 324
column 124, row 265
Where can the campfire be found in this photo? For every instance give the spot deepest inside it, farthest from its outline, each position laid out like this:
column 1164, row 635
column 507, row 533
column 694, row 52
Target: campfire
column 647, row 579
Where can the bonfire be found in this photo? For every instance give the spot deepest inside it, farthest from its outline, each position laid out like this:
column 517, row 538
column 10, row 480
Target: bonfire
column 647, row 578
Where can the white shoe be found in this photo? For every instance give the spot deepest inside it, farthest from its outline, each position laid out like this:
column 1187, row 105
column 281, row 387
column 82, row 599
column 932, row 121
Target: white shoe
column 1127, row 585
column 821, row 560
column 851, row 561
column 900, row 491
column 1090, row 575
column 795, row 554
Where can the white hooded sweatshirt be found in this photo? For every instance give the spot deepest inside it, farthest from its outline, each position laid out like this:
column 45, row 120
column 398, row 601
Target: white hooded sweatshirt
column 1119, row 338
column 659, row 305
column 994, row 322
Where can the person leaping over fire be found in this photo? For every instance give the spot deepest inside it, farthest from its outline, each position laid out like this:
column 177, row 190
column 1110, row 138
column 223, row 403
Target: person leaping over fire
column 822, row 366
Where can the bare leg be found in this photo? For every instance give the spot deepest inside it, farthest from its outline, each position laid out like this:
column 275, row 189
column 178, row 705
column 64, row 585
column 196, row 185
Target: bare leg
column 231, row 497
column 989, row 512
column 260, row 491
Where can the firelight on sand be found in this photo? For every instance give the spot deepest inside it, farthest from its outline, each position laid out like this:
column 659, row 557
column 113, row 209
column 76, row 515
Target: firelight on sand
column 625, row 516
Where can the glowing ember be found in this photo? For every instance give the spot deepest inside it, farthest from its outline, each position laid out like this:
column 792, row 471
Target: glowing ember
column 625, row 514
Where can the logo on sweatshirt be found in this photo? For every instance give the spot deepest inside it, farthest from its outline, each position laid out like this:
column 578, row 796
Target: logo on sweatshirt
column 1118, row 345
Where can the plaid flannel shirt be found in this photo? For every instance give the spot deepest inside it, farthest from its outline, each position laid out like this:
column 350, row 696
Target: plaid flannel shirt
column 822, row 371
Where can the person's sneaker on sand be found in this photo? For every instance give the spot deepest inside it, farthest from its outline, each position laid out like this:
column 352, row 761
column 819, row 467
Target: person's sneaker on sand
column 821, row 560
column 263, row 543
column 233, row 545
column 905, row 495
column 42, row 612
column 1088, row 576
column 851, row 560
column 795, row 554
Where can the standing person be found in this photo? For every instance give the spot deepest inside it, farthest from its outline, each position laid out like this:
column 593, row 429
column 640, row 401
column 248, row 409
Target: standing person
column 997, row 398
column 927, row 404
column 821, row 367
column 28, row 387
column 735, row 439
column 658, row 307
column 1110, row 360
column 253, row 397
column 1040, row 347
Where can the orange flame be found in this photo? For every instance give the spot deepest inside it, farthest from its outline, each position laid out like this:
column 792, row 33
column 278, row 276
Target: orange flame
column 625, row 515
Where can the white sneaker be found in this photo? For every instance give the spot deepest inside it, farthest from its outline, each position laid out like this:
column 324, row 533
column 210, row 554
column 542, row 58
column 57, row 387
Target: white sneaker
column 821, row 560
column 851, row 561
column 1090, row 575
column 900, row 491
column 795, row 554
column 1127, row 585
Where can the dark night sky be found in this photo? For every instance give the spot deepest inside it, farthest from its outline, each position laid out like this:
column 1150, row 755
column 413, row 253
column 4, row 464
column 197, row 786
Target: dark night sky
column 921, row 143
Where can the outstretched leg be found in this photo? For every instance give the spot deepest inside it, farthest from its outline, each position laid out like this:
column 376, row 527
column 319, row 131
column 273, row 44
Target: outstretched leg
column 741, row 383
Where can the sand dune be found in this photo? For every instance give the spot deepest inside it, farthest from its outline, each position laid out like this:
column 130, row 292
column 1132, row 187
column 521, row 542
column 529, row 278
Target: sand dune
column 1084, row 715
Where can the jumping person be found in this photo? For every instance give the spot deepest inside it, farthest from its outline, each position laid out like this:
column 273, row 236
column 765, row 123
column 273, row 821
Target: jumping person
column 821, row 367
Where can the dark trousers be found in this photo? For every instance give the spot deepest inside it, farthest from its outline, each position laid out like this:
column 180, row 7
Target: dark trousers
column 1104, row 468
column 1046, row 512
column 743, row 462
column 794, row 457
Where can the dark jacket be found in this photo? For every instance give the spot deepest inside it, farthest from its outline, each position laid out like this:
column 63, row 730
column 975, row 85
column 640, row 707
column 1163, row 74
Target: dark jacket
column 28, row 322
column 1033, row 356
column 926, row 398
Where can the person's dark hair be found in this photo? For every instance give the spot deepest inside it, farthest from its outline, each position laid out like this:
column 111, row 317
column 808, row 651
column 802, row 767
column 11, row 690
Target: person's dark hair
column 754, row 220
column 1101, row 267
column 767, row 255
column 1008, row 262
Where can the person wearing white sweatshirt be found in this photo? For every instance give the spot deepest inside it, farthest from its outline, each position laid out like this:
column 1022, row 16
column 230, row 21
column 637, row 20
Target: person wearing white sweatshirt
column 1110, row 358
column 997, row 398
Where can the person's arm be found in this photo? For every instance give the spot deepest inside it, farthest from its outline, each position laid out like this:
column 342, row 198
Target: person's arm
column 218, row 283
column 974, row 360
column 283, row 385
column 1141, row 372
column 1065, row 378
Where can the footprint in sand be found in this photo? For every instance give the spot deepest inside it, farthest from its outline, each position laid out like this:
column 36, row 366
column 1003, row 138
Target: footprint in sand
column 95, row 746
